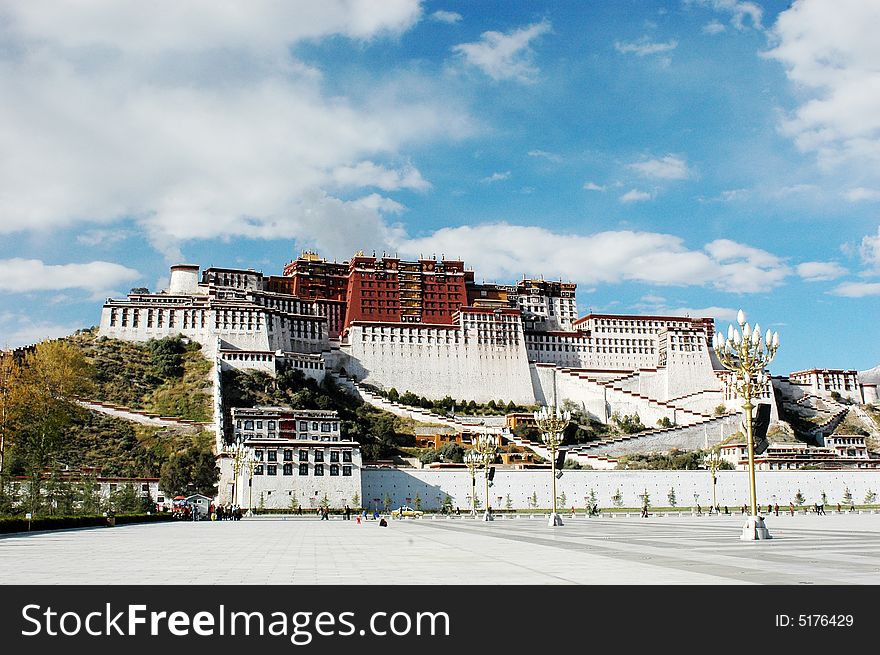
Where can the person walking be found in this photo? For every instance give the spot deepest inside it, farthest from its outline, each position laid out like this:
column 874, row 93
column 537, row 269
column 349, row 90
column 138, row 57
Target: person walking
column 776, row 509
column 822, row 509
column 791, row 508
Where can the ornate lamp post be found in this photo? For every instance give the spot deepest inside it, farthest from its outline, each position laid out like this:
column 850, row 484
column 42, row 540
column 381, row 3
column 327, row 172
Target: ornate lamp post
column 747, row 354
column 473, row 458
column 251, row 463
column 486, row 446
column 238, row 453
column 551, row 422
column 713, row 462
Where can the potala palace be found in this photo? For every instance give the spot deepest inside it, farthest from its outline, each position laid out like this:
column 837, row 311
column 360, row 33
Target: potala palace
column 429, row 328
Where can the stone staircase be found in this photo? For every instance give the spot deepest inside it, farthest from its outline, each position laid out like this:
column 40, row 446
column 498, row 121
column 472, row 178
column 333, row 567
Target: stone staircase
column 681, row 415
column 406, row 411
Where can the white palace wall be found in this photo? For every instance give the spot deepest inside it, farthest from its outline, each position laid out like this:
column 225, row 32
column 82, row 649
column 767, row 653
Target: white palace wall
column 436, row 363
column 732, row 487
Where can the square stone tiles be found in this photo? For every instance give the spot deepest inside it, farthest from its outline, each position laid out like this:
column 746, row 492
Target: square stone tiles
column 833, row 549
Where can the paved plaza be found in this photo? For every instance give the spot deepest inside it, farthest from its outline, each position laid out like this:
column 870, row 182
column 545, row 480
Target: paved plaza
column 806, row 549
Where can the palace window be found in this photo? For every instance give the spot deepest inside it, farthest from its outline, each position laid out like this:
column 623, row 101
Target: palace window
column 288, row 455
column 346, row 455
column 334, row 469
column 272, row 455
column 304, row 455
column 288, row 469
column 334, row 455
column 258, row 469
column 271, row 469
column 258, row 455
column 303, row 469
column 346, row 471
column 319, row 469
column 319, row 455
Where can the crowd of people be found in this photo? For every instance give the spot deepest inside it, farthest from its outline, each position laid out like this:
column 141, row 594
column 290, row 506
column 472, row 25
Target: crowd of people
column 224, row 513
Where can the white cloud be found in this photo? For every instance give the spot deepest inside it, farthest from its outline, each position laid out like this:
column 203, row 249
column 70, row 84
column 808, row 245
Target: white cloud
column 592, row 186
column 644, row 46
column 505, row 56
column 670, row 167
column 25, row 275
column 550, row 156
column 634, row 195
column 367, row 173
column 186, row 27
column 503, row 251
column 820, row 271
column 496, row 177
column 199, row 124
column 739, row 11
column 729, row 195
column 449, row 17
column 713, row 27
column 860, row 193
column 869, row 250
column 830, row 52
column 718, row 313
column 857, row 289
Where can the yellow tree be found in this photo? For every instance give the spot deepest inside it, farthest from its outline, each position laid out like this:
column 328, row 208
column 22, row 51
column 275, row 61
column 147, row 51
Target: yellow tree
column 43, row 404
column 8, row 371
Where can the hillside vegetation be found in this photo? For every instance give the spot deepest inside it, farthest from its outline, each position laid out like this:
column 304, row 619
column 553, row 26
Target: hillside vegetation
column 168, row 376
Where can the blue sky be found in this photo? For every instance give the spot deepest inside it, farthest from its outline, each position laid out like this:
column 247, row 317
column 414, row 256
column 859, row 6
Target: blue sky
column 692, row 156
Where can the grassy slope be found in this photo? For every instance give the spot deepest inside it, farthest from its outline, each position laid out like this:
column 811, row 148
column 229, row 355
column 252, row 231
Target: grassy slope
column 125, row 375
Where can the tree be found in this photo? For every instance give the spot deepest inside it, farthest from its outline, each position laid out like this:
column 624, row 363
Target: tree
column 447, row 502
column 799, row 498
column 125, row 499
column 294, row 502
column 824, row 499
column 167, row 356
column 325, row 501
column 617, row 498
column 645, row 498
column 393, row 395
column 508, row 502
column 671, row 497
column 417, row 501
column 139, row 290
column 870, row 497
column 452, row 452
column 534, row 499
column 720, row 410
column 356, row 500
column 847, row 497
column 386, row 501
column 192, row 466
column 562, row 499
column 43, row 405
column 8, row 374
column 591, row 498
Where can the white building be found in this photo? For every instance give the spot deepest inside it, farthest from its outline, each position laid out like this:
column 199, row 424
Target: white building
column 824, row 381
column 293, row 458
column 229, row 307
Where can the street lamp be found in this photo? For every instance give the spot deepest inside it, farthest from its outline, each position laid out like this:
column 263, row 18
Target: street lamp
column 238, row 453
column 486, row 446
column 551, row 422
column 713, row 463
column 747, row 354
column 251, row 464
column 472, row 458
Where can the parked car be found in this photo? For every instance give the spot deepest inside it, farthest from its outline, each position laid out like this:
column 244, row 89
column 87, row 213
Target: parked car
column 406, row 510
